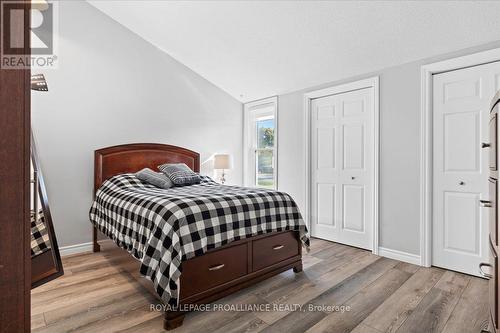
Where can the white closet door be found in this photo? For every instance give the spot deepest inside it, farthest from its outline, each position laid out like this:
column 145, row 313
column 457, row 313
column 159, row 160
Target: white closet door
column 461, row 101
column 342, row 167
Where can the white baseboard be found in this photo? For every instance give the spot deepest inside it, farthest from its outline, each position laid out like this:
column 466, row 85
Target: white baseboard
column 80, row 248
column 75, row 249
column 399, row 255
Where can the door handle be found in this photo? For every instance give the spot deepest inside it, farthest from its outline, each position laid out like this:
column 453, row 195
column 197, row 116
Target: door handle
column 483, row 274
column 485, row 145
column 485, row 203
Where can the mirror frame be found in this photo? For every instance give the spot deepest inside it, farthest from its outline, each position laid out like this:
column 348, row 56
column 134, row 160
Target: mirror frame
column 39, row 275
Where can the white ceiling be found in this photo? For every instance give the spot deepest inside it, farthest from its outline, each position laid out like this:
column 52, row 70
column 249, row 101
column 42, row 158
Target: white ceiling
column 255, row 49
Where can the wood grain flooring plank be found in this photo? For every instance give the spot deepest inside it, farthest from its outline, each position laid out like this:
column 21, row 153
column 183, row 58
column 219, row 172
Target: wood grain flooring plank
column 472, row 311
column 82, row 295
column 349, row 287
column 313, row 273
column 248, row 323
column 95, row 282
column 362, row 328
column 391, row 314
column 302, row 293
column 410, row 268
column 435, row 308
column 120, row 321
column 318, row 245
column 309, row 261
column 335, row 250
column 75, row 322
column 362, row 303
column 154, row 325
column 300, row 321
column 74, row 279
column 85, row 312
column 38, row 321
column 215, row 320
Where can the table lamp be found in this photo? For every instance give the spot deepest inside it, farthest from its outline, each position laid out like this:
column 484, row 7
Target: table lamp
column 223, row 162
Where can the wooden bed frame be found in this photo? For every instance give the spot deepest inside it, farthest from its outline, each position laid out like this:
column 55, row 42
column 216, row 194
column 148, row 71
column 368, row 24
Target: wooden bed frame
column 221, row 271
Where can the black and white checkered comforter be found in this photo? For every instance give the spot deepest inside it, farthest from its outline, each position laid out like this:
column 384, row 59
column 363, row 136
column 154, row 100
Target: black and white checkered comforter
column 40, row 242
column 163, row 227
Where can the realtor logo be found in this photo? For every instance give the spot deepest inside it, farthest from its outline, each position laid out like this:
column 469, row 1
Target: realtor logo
column 15, row 51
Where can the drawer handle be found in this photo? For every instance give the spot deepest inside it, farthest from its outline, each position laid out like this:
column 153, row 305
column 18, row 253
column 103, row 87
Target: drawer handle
column 278, row 247
column 483, row 274
column 216, row 267
column 485, row 203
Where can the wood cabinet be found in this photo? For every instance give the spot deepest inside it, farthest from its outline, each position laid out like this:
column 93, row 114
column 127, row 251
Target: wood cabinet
column 490, row 270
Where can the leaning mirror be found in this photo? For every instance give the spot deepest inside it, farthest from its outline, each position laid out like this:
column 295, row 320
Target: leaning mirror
column 46, row 262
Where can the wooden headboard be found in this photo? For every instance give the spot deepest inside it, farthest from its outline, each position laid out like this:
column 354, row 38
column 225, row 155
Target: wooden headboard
column 111, row 161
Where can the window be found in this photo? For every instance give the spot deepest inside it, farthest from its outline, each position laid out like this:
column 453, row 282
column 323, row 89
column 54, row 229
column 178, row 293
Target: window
column 260, row 142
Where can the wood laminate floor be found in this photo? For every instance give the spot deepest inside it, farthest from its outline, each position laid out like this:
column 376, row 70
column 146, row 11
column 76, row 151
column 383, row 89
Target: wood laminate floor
column 383, row 295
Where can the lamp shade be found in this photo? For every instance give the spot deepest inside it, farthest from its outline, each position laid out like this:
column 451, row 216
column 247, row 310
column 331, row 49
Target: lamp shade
column 223, row 161
column 39, row 4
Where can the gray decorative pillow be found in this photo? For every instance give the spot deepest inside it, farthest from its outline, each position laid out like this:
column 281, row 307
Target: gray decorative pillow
column 157, row 179
column 180, row 174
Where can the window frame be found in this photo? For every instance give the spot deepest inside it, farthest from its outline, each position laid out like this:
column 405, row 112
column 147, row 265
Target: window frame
column 251, row 111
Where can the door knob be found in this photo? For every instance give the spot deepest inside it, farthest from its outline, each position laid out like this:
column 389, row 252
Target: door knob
column 353, row 177
column 485, row 145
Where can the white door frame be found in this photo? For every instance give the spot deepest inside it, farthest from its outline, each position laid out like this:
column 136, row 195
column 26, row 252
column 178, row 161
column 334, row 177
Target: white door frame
column 372, row 82
column 426, row 141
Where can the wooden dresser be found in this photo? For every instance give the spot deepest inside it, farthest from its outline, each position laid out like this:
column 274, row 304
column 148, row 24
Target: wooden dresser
column 491, row 270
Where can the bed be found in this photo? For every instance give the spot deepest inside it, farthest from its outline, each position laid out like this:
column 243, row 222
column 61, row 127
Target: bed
column 196, row 243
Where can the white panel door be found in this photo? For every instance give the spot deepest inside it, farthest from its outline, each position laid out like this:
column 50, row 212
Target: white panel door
column 342, row 167
column 461, row 101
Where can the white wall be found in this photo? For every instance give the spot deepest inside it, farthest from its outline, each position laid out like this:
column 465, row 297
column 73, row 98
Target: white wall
column 112, row 87
column 399, row 149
